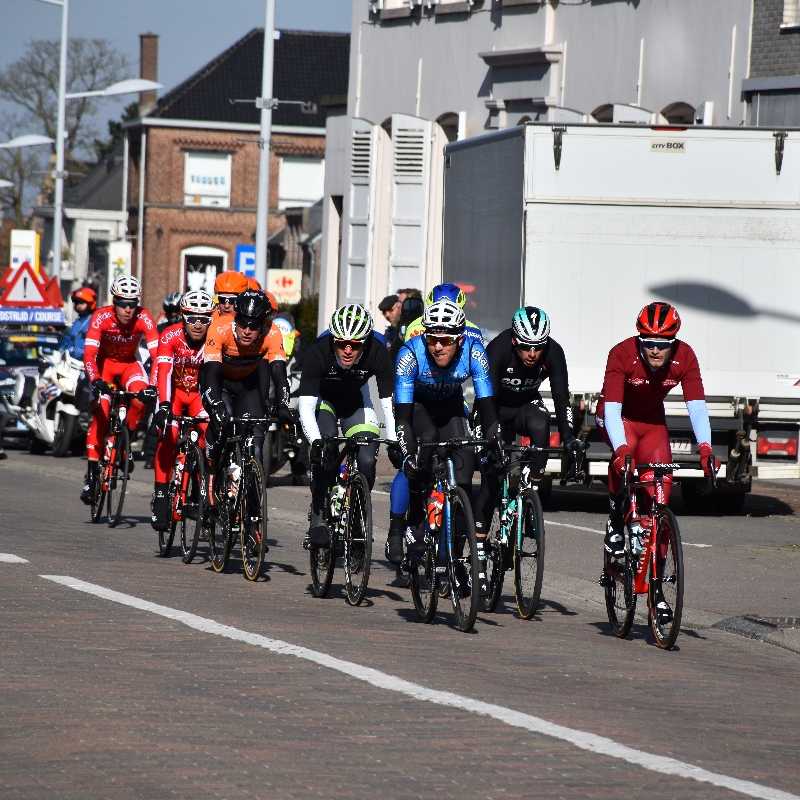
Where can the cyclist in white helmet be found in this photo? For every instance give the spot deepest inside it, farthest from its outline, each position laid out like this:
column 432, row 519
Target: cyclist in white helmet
column 334, row 393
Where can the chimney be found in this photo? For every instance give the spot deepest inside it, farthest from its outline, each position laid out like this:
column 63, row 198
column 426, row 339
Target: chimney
column 148, row 69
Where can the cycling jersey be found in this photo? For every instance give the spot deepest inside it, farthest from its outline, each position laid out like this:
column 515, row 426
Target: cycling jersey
column 238, row 360
column 108, row 339
column 178, row 363
column 416, row 328
column 517, row 385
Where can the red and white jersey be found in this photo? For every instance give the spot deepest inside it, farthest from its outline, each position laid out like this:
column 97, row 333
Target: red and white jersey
column 178, row 362
column 108, row 339
column 630, row 381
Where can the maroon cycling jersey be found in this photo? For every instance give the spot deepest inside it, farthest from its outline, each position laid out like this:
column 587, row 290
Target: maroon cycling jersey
column 177, row 362
column 630, row 381
column 107, row 339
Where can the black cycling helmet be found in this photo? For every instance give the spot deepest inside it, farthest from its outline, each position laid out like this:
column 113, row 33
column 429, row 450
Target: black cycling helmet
column 252, row 306
column 172, row 303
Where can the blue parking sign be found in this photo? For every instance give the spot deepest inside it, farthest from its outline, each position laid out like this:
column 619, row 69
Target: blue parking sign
column 246, row 259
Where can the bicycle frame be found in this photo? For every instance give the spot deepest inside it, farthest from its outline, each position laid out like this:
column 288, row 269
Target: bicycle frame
column 188, row 431
column 117, row 415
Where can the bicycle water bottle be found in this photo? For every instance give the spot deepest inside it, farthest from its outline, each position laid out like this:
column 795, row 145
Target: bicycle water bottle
column 337, row 492
column 434, row 509
column 637, row 538
column 234, row 474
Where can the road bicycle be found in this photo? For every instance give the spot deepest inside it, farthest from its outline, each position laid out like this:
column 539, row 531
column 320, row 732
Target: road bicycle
column 449, row 554
column 652, row 563
column 187, row 490
column 348, row 516
column 238, row 498
column 517, row 536
column 114, row 464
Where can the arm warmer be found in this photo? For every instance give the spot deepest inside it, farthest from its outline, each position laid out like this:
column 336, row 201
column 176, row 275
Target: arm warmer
column 307, row 406
column 698, row 414
column 278, row 371
column 614, row 427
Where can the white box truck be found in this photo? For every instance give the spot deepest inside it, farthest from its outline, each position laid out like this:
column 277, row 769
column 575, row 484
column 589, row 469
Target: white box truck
column 591, row 222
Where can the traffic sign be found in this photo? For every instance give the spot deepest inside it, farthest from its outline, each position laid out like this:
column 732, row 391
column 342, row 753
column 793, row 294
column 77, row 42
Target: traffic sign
column 24, row 288
column 246, row 259
column 285, row 284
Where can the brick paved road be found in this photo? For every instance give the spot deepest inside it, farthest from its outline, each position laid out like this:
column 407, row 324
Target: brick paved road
column 101, row 700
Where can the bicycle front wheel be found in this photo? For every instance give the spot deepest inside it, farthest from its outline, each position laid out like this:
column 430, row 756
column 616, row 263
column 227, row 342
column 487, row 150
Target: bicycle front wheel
column 495, row 566
column 253, row 519
column 465, row 566
column 620, row 596
column 220, row 537
column 119, row 477
column 166, row 537
column 322, row 560
column 666, row 572
column 424, row 589
column 357, row 540
column 99, row 493
column 529, row 554
column 194, row 510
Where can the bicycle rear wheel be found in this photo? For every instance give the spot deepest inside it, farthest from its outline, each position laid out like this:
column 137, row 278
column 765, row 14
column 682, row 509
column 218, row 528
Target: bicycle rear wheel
column 465, row 593
column 167, row 536
column 357, row 540
column 669, row 575
column 529, row 554
column 121, row 471
column 620, row 596
column 194, row 512
column 253, row 519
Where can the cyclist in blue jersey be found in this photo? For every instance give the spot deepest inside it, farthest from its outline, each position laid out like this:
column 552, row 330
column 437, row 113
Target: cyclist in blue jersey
column 429, row 400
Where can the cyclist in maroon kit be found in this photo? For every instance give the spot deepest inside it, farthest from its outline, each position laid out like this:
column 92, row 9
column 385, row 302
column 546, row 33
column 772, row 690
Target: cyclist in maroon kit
column 640, row 372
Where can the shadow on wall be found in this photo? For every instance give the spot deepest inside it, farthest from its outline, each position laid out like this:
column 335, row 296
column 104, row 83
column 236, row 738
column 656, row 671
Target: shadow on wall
column 718, row 301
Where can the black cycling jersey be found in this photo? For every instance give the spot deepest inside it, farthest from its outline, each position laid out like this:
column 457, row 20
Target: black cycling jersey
column 516, row 385
column 323, row 377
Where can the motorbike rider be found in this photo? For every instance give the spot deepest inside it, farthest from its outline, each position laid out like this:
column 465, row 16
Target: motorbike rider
column 84, row 301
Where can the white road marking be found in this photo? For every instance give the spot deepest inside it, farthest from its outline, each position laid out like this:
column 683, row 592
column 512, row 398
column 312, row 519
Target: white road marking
column 382, row 680
column 603, row 533
column 10, row 558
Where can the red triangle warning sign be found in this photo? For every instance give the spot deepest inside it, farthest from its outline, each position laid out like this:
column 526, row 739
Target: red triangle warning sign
column 24, row 288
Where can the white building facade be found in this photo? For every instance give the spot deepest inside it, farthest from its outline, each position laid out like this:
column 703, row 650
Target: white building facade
column 425, row 72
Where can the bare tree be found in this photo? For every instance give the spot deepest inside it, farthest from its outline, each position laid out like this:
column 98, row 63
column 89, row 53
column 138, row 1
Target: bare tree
column 31, row 83
column 22, row 167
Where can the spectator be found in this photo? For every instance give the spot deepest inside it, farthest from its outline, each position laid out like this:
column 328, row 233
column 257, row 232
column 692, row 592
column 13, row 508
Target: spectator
column 391, row 307
column 403, row 294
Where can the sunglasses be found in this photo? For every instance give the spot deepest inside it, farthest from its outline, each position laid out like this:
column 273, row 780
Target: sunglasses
column 343, row 344
column 196, row 319
column 444, row 341
column 656, row 344
column 526, row 348
column 249, row 323
column 126, row 303
column 226, row 299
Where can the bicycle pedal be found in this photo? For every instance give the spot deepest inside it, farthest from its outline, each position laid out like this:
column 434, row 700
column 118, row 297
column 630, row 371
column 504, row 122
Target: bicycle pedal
column 605, row 580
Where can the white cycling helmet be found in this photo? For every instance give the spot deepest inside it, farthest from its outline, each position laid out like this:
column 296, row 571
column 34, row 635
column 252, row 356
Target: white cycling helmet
column 444, row 316
column 126, row 287
column 530, row 325
column 352, row 322
column 197, row 302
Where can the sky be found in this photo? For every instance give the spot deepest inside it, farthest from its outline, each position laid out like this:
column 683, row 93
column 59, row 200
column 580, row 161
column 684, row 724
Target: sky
column 191, row 32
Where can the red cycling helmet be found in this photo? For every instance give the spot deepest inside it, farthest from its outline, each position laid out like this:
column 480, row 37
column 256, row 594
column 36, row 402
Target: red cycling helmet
column 85, row 295
column 658, row 319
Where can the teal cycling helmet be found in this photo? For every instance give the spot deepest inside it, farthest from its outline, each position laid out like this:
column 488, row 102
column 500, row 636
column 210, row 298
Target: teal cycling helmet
column 447, row 291
column 530, row 325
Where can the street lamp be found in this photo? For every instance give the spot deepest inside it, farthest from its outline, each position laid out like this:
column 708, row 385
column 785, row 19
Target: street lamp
column 5, row 184
column 26, row 140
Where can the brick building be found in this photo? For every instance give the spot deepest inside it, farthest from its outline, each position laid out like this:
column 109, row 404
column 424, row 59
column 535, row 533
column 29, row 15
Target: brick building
column 195, row 156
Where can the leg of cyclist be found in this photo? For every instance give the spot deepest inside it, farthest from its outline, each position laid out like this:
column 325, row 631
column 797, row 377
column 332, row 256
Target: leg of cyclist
column 164, row 461
column 364, row 423
column 322, row 476
column 134, row 379
column 615, row 539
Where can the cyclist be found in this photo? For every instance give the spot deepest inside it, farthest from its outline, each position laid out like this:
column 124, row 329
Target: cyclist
column 179, row 358
column 522, row 357
column 110, row 357
column 333, row 393
column 442, row 291
column 172, row 310
column 227, row 286
column 429, row 402
column 639, row 374
column 84, row 301
column 243, row 354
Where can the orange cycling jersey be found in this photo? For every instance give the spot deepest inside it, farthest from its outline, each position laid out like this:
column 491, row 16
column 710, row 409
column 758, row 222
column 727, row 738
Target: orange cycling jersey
column 239, row 360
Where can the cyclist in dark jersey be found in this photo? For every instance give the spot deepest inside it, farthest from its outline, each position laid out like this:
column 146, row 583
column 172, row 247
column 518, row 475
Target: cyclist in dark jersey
column 334, row 392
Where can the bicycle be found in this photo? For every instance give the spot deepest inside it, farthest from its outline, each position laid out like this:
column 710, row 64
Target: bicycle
column 238, row 499
column 113, row 466
column 518, row 539
column 186, row 491
column 652, row 564
column 450, row 547
column 348, row 516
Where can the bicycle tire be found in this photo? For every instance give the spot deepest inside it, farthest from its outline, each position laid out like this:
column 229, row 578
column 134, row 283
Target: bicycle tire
column 322, row 561
column 464, row 568
column 99, row 495
column 123, row 448
column 424, row 584
column 196, row 467
column 495, row 567
column 357, row 549
column 219, row 534
column 267, row 455
column 166, row 537
column 529, row 554
column 253, row 519
column 668, row 535
column 619, row 594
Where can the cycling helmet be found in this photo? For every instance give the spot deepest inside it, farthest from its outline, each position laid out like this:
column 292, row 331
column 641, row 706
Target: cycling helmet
column 253, row 285
column 85, row 295
column 197, row 302
column 444, row 316
column 230, row 282
column 449, row 291
column 530, row 325
column 252, row 305
column 126, row 287
column 172, row 303
column 351, row 322
column 658, row 319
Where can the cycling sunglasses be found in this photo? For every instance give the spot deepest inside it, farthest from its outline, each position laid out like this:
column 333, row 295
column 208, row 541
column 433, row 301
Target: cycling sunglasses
column 443, row 339
column 249, row 322
column 656, row 344
column 526, row 348
column 226, row 299
column 125, row 303
column 343, row 343
column 197, row 319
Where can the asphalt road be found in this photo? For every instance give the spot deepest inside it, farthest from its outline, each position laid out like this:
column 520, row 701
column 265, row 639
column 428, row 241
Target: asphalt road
column 124, row 675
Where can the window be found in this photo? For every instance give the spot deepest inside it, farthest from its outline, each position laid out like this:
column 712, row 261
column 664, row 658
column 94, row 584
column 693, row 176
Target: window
column 301, row 181
column 791, row 14
column 207, row 179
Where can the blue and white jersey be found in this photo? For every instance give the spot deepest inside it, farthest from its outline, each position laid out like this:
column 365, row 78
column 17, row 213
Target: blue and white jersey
column 416, row 376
